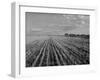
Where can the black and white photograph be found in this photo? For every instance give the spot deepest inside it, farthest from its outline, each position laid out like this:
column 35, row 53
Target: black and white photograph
column 54, row 39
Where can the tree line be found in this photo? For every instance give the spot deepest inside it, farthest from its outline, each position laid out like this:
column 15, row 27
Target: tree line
column 77, row 35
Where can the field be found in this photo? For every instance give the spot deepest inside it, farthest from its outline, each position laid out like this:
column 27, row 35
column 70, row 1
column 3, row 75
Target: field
column 57, row 51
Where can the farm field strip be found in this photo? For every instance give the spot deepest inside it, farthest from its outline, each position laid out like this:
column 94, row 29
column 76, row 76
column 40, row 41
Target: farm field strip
column 83, row 43
column 63, row 52
column 73, row 46
column 41, row 50
column 31, row 49
column 71, row 56
column 43, row 53
column 76, row 53
column 82, row 46
column 59, row 54
column 30, row 59
column 57, row 51
column 47, row 60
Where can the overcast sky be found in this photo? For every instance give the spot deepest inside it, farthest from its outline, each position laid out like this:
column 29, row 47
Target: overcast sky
column 56, row 24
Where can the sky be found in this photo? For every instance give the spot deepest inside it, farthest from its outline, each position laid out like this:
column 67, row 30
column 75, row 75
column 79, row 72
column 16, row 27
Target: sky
column 56, row 24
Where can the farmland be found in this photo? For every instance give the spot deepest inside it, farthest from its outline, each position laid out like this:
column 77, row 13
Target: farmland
column 57, row 51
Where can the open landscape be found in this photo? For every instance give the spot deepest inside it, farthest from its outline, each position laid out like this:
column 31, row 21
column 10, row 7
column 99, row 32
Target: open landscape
column 56, row 39
column 57, row 51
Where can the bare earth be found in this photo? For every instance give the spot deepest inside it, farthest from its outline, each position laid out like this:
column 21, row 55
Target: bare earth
column 56, row 51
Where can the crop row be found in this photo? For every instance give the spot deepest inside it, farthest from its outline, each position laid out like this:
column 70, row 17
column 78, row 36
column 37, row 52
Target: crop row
column 56, row 52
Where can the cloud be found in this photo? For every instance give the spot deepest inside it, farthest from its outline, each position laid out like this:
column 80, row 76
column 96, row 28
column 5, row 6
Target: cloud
column 77, row 20
column 56, row 24
column 60, row 28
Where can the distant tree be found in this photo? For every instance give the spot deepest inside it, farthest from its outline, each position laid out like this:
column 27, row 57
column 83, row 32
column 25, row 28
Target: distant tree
column 77, row 35
column 66, row 34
